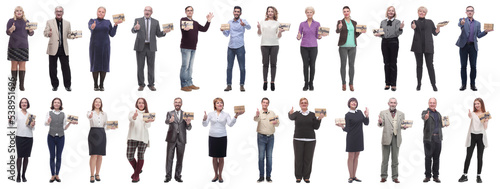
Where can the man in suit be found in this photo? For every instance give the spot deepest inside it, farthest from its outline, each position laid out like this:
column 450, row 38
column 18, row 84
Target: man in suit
column 176, row 139
column 391, row 120
column 58, row 31
column 433, row 135
column 145, row 46
column 467, row 41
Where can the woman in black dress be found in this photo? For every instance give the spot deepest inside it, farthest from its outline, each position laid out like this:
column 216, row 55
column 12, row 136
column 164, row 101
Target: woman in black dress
column 354, row 120
column 24, row 138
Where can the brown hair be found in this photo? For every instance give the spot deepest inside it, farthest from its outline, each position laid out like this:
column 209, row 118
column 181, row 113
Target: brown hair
column 28, row 106
column 303, row 98
column 93, row 102
column 275, row 17
column 145, row 104
column 482, row 105
column 387, row 15
column 350, row 100
column 216, row 100
column 52, row 104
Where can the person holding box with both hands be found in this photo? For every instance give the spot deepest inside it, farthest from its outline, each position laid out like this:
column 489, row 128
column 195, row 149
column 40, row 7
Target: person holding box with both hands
column 138, row 137
column 270, row 33
column 266, row 123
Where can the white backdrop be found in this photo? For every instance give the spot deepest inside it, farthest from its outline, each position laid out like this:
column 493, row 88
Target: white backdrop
column 241, row 170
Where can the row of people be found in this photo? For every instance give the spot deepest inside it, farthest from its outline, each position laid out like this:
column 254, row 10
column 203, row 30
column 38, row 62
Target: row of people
column 147, row 29
column 304, row 139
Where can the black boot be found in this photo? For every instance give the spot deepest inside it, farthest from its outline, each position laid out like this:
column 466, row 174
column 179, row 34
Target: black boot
column 311, row 86
column 306, row 86
column 14, row 76
column 272, row 87
column 264, row 86
column 21, row 80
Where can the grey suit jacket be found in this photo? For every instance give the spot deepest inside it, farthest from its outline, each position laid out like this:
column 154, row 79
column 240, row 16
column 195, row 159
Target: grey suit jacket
column 54, row 38
column 155, row 30
column 387, row 124
column 429, row 125
column 179, row 125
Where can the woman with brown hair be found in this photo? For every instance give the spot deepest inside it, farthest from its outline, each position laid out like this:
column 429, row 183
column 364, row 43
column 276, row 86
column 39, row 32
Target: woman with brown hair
column 270, row 33
column 96, row 138
column 476, row 136
column 24, row 138
column 217, row 136
column 18, row 49
column 138, row 136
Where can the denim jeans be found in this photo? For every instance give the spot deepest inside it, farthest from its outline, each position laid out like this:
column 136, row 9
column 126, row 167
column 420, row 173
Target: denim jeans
column 468, row 51
column 231, row 53
column 187, row 67
column 56, row 146
column 266, row 145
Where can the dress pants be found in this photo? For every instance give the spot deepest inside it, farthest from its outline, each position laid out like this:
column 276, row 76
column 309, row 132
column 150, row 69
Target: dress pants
column 309, row 55
column 240, row 54
column 61, row 55
column 390, row 48
column 475, row 139
column 179, row 148
column 386, row 151
column 432, row 151
column 347, row 52
column 304, row 153
column 150, row 56
column 468, row 51
column 429, row 58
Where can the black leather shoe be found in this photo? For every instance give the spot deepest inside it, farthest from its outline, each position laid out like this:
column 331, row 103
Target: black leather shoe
column 92, row 180
column 52, row 180
column 436, row 179
column 427, row 179
column 167, row 180
column 268, row 179
column 386, row 87
column 434, row 88
column 97, row 178
column 215, row 179
column 96, row 88
column 101, row 88
column 418, row 87
column 463, row 178
column 24, row 179
column 350, row 180
column 221, row 181
column 356, row 179
column 179, row 180
column 272, row 87
column 19, row 179
column 473, row 87
column 462, row 88
column 393, row 88
column 260, row 179
column 264, row 87
column 68, row 89
column 298, row 180
column 478, row 179
column 58, row 180
column 307, row 181
column 54, row 88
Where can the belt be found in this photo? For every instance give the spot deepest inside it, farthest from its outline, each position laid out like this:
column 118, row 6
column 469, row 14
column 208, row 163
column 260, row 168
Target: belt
column 266, row 135
column 470, row 43
column 435, row 134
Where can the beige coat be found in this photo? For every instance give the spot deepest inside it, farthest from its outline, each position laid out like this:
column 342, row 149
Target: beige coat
column 388, row 126
column 54, row 38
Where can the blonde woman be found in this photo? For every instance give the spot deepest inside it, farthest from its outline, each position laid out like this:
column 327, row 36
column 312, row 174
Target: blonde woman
column 18, row 49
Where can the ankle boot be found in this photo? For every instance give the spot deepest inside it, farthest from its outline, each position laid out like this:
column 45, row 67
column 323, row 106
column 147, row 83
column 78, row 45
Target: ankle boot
column 21, row 80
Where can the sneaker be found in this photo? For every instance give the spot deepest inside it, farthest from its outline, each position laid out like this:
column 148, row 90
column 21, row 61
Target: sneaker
column 463, row 178
column 268, row 179
column 260, row 179
column 478, row 179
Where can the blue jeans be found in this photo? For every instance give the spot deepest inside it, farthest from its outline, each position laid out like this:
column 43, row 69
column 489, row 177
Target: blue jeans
column 187, row 67
column 240, row 53
column 266, row 145
column 468, row 51
column 56, row 146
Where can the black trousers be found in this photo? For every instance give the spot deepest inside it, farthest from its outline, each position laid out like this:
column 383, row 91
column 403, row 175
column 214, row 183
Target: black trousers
column 309, row 55
column 429, row 58
column 61, row 55
column 269, row 55
column 304, row 153
column 150, row 55
column 475, row 139
column 390, row 48
column 432, row 151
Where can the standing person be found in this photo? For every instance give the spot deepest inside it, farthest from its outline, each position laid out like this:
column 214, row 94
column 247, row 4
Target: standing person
column 24, row 139
column 18, row 49
column 476, row 136
column 467, row 41
column 354, row 120
column 138, row 137
column 96, row 138
column 145, row 46
column 423, row 44
column 236, row 47
column 308, row 32
column 266, row 123
column 393, row 28
column 188, row 48
column 433, row 135
column 99, row 50
column 217, row 136
column 56, row 119
column 390, row 120
column 304, row 139
column 176, row 139
column 270, row 33
column 58, row 31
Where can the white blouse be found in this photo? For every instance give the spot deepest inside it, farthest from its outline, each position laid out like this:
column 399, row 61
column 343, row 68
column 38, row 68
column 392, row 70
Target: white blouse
column 98, row 119
column 476, row 127
column 218, row 123
column 138, row 128
column 269, row 30
column 23, row 130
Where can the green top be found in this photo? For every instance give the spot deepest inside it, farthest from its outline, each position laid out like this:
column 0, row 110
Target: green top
column 350, row 35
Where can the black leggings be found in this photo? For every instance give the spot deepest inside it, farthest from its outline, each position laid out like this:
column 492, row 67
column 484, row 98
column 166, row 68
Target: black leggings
column 475, row 139
column 309, row 55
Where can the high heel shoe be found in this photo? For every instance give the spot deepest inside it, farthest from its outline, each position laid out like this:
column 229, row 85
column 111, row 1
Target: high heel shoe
column 92, row 179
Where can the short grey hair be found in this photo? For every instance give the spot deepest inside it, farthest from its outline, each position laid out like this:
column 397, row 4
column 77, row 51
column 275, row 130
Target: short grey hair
column 392, row 99
column 59, row 7
column 101, row 7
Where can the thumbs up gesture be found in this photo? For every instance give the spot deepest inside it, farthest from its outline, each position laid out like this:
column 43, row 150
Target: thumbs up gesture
column 413, row 25
column 91, row 114
column 366, row 112
column 340, row 25
column 49, row 120
column 50, row 32
column 462, row 22
column 258, row 25
column 470, row 114
column 426, row 116
column 135, row 115
column 291, row 111
column 379, row 119
column 12, row 28
column 92, row 26
column 299, row 36
column 137, row 27
column 402, row 25
column 205, row 116
column 172, row 118
column 242, row 23
column 257, row 113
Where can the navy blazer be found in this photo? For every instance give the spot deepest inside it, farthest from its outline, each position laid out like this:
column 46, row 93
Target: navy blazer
column 464, row 36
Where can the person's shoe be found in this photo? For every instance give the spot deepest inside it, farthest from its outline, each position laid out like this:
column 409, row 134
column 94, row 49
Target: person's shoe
column 427, row 179
column 68, row 89
column 434, row 88
column 141, row 88
column 393, row 88
column 298, row 180
column 463, row 178
column 462, row 88
column 350, row 180
column 436, row 179
column 194, row 87
column 18, row 180
column 215, row 179
column 351, row 87
column 152, row 88
column 264, row 87
column 478, row 179
column 228, row 88
column 307, row 180
column 167, row 180
column 186, row 89
column 242, row 88
column 221, row 181
column 54, row 88
column 96, row 88
column 386, row 87
column 52, row 179
column 58, row 179
column 97, row 178
column 383, row 180
column 101, row 88
column 268, row 179
column 473, row 87
column 343, row 87
column 356, row 179
column 179, row 180
column 311, row 86
column 395, row 180
column 24, row 179
column 306, row 87
column 260, row 179
column 418, row 87
column 272, row 87
column 92, row 180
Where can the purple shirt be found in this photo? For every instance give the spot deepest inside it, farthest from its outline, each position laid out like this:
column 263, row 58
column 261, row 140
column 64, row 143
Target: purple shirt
column 309, row 34
column 19, row 37
column 471, row 30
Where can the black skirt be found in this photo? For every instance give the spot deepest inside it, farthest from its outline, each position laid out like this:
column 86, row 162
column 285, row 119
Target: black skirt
column 18, row 54
column 97, row 141
column 217, row 146
column 24, row 146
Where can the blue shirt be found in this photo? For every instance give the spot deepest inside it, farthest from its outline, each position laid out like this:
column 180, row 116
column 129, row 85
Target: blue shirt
column 471, row 30
column 237, row 33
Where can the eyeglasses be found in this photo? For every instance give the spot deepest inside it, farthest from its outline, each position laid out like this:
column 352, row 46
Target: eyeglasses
column 470, row 10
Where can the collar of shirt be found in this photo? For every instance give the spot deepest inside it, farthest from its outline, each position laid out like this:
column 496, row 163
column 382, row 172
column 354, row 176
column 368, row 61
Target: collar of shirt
column 353, row 111
column 56, row 112
column 305, row 113
column 392, row 19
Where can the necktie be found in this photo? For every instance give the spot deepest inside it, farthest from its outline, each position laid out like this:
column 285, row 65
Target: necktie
column 60, row 33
